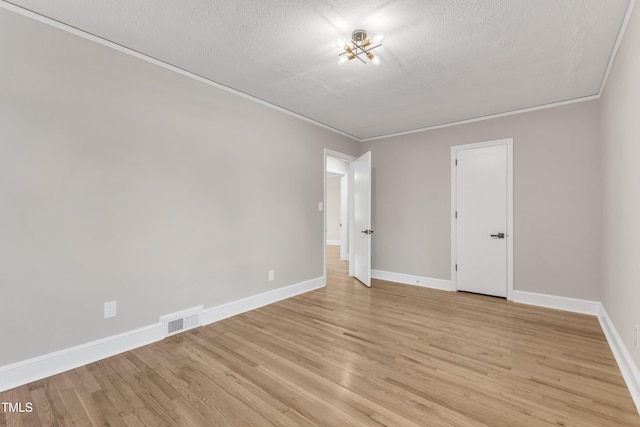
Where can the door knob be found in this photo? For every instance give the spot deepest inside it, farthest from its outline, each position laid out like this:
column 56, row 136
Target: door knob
column 499, row 235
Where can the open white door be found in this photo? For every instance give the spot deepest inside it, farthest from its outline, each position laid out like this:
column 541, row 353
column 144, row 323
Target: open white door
column 361, row 251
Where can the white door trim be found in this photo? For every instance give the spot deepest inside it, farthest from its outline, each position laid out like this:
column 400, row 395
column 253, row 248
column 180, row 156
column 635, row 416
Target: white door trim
column 331, row 153
column 454, row 250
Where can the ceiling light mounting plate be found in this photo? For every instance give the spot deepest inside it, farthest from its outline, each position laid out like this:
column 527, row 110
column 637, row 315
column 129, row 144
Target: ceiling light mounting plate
column 359, row 36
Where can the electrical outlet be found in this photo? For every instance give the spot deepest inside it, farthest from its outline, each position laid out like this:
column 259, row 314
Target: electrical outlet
column 272, row 275
column 109, row 309
column 635, row 336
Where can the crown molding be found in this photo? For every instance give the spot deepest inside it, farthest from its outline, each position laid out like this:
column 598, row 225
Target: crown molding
column 91, row 37
column 479, row 119
column 623, row 28
column 108, row 43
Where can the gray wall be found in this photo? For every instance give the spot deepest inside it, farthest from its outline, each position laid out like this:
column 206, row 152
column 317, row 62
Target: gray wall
column 557, row 199
column 333, row 207
column 120, row 180
column 621, row 141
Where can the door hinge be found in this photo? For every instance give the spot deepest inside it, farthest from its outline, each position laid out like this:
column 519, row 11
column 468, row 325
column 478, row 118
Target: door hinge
column 456, row 214
column 456, row 162
column 456, row 267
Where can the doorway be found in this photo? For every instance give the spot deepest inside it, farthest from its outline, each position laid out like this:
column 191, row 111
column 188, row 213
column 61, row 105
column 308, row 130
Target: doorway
column 336, row 204
column 358, row 215
column 482, row 218
column 337, row 218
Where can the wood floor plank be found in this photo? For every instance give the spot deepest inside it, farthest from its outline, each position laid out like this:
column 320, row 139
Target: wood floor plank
column 349, row 355
column 60, row 412
column 41, row 407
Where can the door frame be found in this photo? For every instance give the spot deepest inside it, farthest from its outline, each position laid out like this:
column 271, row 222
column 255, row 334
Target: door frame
column 349, row 159
column 509, row 232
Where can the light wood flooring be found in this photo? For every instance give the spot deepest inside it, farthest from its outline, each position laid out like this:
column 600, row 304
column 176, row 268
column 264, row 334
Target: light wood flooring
column 347, row 355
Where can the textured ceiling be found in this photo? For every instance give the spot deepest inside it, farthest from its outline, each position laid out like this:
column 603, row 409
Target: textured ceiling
column 443, row 61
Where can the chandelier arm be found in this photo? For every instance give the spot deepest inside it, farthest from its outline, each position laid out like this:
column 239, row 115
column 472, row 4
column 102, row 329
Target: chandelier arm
column 356, row 47
column 357, row 54
column 371, row 48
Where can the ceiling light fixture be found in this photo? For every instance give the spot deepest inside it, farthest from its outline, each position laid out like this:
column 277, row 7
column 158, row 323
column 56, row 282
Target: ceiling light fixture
column 359, row 45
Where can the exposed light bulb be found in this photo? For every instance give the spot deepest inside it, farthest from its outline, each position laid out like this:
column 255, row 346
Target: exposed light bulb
column 341, row 44
column 342, row 60
column 376, row 60
column 378, row 38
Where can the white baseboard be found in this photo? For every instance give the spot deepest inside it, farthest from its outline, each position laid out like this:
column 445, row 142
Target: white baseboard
column 26, row 371
column 625, row 362
column 628, row 368
column 408, row 279
column 233, row 308
column 333, row 242
column 560, row 303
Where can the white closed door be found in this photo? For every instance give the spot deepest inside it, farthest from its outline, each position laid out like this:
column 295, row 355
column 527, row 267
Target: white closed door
column 481, row 219
column 361, row 251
